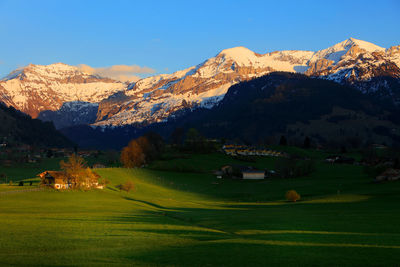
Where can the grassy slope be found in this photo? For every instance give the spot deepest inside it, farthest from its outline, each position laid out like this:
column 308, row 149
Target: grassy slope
column 22, row 171
column 187, row 219
column 29, row 170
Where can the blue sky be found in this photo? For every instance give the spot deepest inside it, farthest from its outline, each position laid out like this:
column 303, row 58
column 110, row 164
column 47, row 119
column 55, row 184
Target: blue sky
column 171, row 35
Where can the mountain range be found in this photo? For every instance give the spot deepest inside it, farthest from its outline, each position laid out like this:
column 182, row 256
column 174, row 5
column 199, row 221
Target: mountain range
column 68, row 96
column 263, row 109
column 35, row 89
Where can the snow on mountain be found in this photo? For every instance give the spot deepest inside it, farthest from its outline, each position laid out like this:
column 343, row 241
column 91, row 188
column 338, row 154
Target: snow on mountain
column 394, row 54
column 37, row 88
column 335, row 52
column 154, row 99
column 354, row 61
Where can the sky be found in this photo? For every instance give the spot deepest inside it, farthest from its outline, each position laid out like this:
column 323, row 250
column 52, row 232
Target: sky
column 141, row 38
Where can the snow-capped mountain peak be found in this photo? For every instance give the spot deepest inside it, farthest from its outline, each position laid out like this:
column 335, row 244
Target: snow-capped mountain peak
column 367, row 46
column 337, row 51
column 36, row 88
column 241, row 55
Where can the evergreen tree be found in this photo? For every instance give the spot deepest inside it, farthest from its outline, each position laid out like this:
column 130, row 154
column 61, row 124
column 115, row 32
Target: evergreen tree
column 307, row 142
column 283, row 141
column 177, row 136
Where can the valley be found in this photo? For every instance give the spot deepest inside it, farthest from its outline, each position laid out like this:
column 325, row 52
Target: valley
column 181, row 218
column 212, row 133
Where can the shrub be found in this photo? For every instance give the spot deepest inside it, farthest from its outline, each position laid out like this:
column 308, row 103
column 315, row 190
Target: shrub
column 283, row 141
column 292, row 196
column 307, row 142
column 105, row 182
column 127, row 186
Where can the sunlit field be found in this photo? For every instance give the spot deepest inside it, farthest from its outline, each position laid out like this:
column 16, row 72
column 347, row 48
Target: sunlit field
column 192, row 218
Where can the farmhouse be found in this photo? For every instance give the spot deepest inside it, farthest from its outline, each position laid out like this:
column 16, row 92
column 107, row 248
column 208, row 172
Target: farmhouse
column 59, row 180
column 253, row 174
column 55, row 179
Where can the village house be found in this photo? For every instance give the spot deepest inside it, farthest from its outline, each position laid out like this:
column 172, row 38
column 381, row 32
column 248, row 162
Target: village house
column 219, row 174
column 240, row 172
column 339, row 159
column 234, row 150
column 253, row 174
column 23, row 148
column 388, row 175
column 93, row 183
column 55, row 179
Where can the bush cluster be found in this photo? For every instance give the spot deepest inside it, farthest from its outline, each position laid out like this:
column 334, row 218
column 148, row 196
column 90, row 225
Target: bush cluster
column 292, row 196
column 142, row 150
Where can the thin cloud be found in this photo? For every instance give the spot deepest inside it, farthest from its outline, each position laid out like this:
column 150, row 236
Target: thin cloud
column 124, row 73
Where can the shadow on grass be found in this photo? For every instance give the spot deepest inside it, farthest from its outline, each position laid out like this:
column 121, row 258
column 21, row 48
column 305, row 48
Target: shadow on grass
column 146, row 202
column 112, row 189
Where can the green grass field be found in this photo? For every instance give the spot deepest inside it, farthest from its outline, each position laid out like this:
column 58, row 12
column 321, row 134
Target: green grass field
column 193, row 219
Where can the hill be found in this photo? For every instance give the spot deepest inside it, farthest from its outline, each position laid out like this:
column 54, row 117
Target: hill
column 297, row 106
column 18, row 128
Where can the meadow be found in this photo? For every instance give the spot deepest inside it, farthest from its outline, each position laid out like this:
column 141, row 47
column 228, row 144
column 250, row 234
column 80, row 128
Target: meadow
column 183, row 216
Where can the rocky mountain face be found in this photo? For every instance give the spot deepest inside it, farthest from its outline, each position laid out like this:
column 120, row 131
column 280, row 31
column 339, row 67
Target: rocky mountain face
column 355, row 60
column 35, row 89
column 38, row 88
column 159, row 98
column 71, row 113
